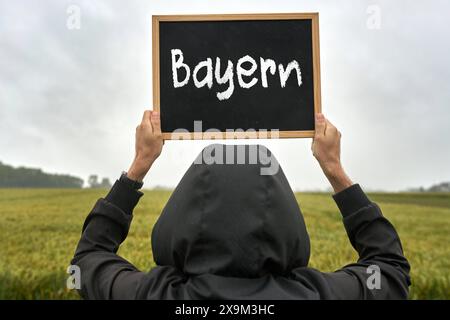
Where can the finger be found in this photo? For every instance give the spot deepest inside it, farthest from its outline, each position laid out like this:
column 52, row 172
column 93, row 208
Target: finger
column 146, row 117
column 156, row 122
column 320, row 125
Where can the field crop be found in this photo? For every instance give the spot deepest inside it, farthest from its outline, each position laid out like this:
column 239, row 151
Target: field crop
column 39, row 229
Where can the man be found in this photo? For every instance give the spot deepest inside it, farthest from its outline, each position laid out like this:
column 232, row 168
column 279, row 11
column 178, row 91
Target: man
column 229, row 232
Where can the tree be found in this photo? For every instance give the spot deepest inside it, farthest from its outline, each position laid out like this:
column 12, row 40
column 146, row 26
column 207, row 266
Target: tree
column 105, row 183
column 93, row 181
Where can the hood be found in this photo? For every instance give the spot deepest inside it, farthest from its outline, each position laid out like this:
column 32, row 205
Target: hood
column 227, row 218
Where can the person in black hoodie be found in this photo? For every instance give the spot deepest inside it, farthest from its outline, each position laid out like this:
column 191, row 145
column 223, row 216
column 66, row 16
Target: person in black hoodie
column 230, row 232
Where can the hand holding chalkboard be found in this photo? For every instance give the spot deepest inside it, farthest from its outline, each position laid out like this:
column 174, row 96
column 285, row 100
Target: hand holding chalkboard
column 217, row 74
column 326, row 148
column 148, row 145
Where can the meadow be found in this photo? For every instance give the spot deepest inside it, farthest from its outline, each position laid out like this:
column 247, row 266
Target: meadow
column 39, row 229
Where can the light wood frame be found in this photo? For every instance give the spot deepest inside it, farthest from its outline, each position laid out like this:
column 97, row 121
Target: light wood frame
column 314, row 17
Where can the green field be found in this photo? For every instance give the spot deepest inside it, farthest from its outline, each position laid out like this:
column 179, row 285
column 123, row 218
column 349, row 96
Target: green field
column 39, row 230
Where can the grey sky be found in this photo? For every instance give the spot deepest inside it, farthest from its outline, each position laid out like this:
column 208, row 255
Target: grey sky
column 70, row 99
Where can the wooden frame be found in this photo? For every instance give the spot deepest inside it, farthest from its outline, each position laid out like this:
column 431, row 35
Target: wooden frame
column 314, row 17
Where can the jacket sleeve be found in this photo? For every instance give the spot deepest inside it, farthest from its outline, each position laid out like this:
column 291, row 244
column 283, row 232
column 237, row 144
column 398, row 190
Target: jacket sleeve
column 105, row 275
column 380, row 255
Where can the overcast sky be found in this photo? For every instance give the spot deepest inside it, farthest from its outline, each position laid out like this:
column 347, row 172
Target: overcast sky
column 70, row 99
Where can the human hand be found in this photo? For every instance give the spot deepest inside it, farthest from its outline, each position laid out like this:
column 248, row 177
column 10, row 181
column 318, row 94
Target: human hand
column 148, row 145
column 326, row 148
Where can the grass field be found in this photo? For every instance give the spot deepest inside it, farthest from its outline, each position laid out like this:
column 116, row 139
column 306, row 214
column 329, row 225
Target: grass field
column 39, row 230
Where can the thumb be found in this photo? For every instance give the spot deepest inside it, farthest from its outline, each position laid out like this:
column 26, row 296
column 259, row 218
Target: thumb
column 320, row 124
column 156, row 122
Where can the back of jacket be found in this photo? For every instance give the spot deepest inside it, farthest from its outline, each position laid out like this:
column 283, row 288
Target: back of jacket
column 232, row 231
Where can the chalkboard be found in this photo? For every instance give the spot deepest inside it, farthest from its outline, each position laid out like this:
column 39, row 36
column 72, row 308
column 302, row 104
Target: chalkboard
column 241, row 74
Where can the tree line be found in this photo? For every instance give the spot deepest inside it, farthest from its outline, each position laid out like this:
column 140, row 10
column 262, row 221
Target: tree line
column 22, row 177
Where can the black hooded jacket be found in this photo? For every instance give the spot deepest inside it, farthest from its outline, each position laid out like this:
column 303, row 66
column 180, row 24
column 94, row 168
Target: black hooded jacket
column 230, row 231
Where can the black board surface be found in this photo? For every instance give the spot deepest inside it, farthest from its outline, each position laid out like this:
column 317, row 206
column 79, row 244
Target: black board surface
column 263, row 104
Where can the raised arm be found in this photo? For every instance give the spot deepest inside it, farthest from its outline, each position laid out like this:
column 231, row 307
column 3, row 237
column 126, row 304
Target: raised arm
column 326, row 148
column 104, row 274
column 382, row 271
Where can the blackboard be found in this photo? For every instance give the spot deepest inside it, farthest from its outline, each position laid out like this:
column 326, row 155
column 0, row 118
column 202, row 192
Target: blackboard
column 272, row 83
